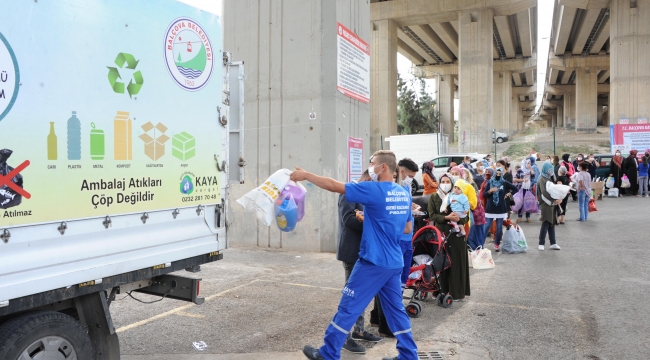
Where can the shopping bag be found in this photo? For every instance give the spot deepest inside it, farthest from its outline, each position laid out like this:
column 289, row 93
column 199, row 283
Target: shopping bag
column 286, row 213
column 526, row 184
column 530, row 203
column 261, row 199
column 514, row 241
column 557, row 191
column 612, row 192
column 592, row 205
column 610, row 182
column 625, row 182
column 482, row 259
column 519, row 201
column 469, row 258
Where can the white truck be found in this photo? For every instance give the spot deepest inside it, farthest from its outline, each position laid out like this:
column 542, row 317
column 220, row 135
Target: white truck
column 419, row 148
column 121, row 126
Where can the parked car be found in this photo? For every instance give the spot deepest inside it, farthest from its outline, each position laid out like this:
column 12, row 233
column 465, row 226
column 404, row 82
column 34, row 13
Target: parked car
column 499, row 137
column 442, row 162
column 604, row 160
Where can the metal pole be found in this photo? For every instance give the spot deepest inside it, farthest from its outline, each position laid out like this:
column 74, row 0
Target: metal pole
column 554, row 152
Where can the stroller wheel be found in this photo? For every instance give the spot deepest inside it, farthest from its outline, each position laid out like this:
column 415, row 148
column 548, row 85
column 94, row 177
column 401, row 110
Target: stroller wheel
column 413, row 309
column 421, row 296
column 440, row 298
column 447, row 301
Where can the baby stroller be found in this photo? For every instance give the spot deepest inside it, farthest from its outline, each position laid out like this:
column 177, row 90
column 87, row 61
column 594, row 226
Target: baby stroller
column 430, row 257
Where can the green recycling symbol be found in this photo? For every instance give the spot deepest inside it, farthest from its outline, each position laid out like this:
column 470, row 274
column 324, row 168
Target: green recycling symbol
column 113, row 74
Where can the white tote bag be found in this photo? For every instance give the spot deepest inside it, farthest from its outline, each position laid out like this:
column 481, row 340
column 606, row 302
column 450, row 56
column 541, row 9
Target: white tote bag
column 482, row 259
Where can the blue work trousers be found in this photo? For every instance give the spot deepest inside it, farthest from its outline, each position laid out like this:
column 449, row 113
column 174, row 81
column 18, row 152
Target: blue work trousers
column 366, row 280
column 407, row 251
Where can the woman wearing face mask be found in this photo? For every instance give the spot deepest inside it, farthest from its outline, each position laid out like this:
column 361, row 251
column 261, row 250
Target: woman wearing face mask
column 548, row 207
column 631, row 166
column 429, row 180
column 497, row 206
column 579, row 159
column 524, row 180
column 616, row 171
column 477, row 236
column 469, row 178
column 457, row 174
column 454, row 280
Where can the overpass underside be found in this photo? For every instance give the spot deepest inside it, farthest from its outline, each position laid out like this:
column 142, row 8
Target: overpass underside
column 598, row 70
column 481, row 52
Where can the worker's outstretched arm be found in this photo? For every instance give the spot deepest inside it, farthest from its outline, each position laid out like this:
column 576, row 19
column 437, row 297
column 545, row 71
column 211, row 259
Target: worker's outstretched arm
column 322, row 182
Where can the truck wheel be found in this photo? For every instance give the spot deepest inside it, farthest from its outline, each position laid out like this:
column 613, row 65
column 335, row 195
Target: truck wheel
column 499, row 140
column 44, row 335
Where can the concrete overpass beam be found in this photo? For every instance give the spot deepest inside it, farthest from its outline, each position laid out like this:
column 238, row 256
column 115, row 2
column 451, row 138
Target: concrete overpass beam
column 409, row 53
column 446, row 104
column 566, row 76
column 506, row 35
column 563, row 28
column 436, row 44
column 530, row 77
column 448, row 34
column 552, row 76
column 413, row 45
column 604, row 75
column 383, row 72
column 601, row 39
column 476, row 78
column 586, row 27
column 630, row 73
column 516, row 77
column 525, row 33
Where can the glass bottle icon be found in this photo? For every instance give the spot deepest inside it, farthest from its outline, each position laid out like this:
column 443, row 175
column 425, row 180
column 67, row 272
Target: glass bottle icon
column 74, row 137
column 96, row 143
column 51, row 144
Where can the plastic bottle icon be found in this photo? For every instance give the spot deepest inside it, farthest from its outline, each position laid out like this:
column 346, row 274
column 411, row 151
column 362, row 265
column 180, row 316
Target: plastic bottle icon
column 74, row 137
column 51, row 144
column 96, row 143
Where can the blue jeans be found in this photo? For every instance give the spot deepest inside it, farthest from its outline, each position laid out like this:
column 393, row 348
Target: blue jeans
column 497, row 237
column 366, row 280
column 583, row 204
column 476, row 236
column 407, row 252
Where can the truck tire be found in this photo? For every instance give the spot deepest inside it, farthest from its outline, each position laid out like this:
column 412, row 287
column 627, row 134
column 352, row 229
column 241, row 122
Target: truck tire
column 44, row 335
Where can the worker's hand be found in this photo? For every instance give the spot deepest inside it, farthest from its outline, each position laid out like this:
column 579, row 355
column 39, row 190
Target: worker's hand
column 298, row 174
column 492, row 190
column 558, row 202
column 453, row 217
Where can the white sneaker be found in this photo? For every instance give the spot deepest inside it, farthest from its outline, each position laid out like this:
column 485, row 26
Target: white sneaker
column 541, row 247
column 555, row 247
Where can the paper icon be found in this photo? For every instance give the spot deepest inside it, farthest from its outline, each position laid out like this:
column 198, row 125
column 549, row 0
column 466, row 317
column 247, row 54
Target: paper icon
column 183, row 146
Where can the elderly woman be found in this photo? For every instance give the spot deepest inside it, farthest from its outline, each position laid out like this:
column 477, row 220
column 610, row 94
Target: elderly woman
column 429, row 180
column 455, row 280
column 497, row 205
column 549, row 208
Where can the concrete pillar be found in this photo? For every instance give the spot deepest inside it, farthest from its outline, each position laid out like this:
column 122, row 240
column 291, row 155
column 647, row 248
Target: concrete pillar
column 559, row 119
column 502, row 97
column 383, row 83
column 569, row 110
column 520, row 119
column 513, row 126
column 290, row 53
column 600, row 109
column 629, row 51
column 586, row 99
column 606, row 112
column 475, row 78
column 446, row 104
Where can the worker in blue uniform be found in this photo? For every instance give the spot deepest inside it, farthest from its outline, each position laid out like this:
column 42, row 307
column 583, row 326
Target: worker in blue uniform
column 387, row 207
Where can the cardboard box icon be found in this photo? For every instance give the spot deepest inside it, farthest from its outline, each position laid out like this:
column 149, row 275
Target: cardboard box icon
column 183, row 145
column 154, row 146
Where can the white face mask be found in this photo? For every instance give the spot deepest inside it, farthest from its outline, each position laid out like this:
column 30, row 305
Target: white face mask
column 407, row 181
column 548, row 161
column 373, row 175
column 618, row 154
column 445, row 187
column 455, row 177
column 569, row 159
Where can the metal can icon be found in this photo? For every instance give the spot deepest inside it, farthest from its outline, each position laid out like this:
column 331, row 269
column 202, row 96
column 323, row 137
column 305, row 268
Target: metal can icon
column 96, row 143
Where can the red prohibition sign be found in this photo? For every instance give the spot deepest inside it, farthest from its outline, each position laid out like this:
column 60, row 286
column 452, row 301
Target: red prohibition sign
column 6, row 180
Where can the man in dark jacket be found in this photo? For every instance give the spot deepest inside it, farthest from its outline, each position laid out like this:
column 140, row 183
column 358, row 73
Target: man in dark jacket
column 350, row 230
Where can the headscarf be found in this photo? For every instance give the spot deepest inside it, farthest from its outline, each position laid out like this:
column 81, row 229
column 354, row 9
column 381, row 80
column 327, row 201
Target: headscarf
column 427, row 168
column 547, row 170
column 565, row 157
column 562, row 170
column 618, row 160
column 456, row 168
column 443, row 195
column 494, row 183
column 633, row 153
column 488, row 173
column 524, row 165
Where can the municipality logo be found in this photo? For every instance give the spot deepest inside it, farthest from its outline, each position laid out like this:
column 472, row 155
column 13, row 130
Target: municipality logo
column 186, row 185
column 188, row 54
column 135, row 84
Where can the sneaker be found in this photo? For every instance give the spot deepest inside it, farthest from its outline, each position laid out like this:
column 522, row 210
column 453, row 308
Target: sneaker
column 540, row 248
column 365, row 336
column 312, row 353
column 528, row 220
column 496, row 248
column 555, row 247
column 518, row 220
column 353, row 347
column 579, row 220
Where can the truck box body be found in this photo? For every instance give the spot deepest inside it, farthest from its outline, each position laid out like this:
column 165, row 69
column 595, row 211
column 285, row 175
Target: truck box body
column 419, row 148
column 90, row 184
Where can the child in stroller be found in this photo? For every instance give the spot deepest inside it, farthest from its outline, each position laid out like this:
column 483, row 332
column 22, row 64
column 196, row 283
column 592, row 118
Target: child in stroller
column 430, row 257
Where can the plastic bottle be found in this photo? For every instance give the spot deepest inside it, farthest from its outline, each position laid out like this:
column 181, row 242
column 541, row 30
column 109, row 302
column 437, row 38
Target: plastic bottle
column 51, row 144
column 74, row 137
column 286, row 213
column 298, row 193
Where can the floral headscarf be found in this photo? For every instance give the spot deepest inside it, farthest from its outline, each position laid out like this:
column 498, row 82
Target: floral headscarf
column 427, row 168
column 547, row 170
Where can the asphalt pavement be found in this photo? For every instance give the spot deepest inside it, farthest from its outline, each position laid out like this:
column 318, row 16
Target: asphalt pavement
column 586, row 301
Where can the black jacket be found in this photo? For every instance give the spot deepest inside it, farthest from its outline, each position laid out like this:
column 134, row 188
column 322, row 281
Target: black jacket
column 503, row 206
column 350, row 230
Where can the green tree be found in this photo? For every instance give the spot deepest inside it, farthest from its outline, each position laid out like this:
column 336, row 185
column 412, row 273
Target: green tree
column 417, row 112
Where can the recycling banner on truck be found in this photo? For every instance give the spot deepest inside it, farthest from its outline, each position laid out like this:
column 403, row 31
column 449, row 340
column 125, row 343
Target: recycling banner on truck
column 107, row 108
